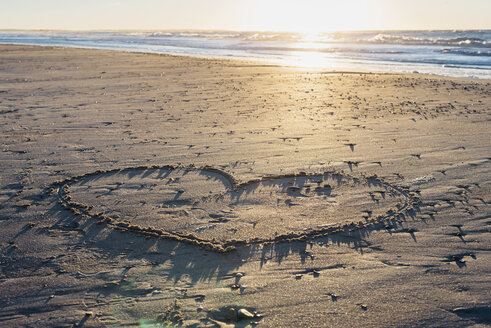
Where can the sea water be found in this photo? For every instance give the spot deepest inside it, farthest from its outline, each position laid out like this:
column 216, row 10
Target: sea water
column 447, row 53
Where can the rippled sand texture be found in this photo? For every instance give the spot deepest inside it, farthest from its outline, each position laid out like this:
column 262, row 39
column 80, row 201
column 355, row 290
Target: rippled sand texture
column 149, row 190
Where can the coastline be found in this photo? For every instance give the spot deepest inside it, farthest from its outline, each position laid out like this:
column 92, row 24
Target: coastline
column 112, row 122
column 256, row 62
column 443, row 53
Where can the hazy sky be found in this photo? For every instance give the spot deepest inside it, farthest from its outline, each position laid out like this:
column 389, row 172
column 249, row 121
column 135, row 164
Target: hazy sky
column 289, row 15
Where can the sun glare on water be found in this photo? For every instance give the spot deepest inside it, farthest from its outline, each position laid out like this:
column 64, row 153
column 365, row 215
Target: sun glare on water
column 310, row 60
column 312, row 18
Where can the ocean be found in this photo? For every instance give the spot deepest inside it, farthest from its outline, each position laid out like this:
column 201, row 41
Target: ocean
column 446, row 53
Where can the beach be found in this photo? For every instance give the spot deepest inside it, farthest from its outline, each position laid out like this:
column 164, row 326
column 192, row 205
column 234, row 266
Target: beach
column 152, row 190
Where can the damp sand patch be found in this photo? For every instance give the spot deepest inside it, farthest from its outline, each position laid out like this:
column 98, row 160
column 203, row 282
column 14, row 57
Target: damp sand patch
column 209, row 207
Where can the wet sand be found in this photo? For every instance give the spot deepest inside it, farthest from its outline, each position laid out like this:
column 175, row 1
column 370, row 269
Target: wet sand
column 152, row 190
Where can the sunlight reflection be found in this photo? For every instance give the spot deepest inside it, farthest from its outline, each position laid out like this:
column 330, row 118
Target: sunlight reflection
column 313, row 38
column 310, row 59
column 313, row 52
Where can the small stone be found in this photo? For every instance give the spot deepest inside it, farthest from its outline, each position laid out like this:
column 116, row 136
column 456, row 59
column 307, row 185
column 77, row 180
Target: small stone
column 244, row 314
column 298, row 276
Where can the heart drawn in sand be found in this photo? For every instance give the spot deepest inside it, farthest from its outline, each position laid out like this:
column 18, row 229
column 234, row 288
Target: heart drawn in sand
column 209, row 207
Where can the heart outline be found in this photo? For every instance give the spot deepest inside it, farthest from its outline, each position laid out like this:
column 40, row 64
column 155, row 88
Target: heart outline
column 62, row 190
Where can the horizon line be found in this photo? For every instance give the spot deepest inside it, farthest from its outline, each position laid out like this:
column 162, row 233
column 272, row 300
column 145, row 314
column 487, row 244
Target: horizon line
column 239, row 31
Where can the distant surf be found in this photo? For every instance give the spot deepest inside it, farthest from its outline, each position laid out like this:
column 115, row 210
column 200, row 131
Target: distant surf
column 446, row 53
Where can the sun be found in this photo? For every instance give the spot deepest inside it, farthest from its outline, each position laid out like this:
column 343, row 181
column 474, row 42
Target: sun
column 312, row 16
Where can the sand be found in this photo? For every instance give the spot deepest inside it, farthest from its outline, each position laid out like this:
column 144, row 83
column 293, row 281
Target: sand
column 158, row 191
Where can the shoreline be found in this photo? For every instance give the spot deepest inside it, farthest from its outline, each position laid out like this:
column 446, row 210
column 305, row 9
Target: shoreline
column 300, row 62
column 102, row 151
column 254, row 62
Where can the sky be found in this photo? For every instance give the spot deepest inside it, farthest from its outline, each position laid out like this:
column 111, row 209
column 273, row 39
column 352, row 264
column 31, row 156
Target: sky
column 245, row 15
